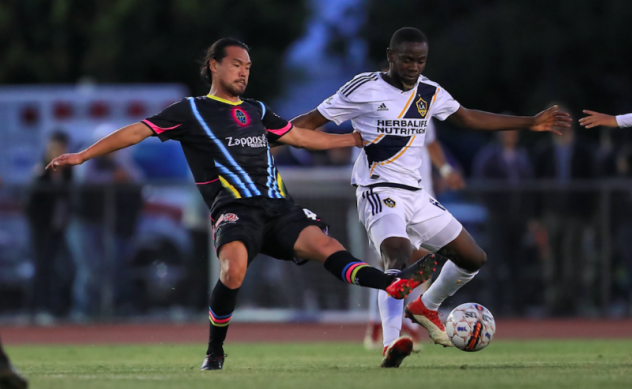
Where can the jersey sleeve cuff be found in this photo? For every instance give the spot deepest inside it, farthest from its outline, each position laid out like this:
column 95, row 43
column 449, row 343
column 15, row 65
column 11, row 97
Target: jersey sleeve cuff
column 282, row 131
column 158, row 131
column 443, row 116
column 624, row 120
column 326, row 115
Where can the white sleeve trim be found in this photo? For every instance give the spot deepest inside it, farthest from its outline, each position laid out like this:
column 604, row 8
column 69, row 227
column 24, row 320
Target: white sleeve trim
column 443, row 116
column 324, row 112
column 624, row 120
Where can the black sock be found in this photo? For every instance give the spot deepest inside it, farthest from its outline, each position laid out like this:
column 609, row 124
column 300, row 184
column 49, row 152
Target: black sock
column 220, row 309
column 346, row 267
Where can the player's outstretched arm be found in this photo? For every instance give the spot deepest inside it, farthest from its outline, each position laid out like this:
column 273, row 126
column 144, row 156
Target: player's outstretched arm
column 595, row 119
column 125, row 137
column 316, row 140
column 310, row 120
column 437, row 157
column 546, row 120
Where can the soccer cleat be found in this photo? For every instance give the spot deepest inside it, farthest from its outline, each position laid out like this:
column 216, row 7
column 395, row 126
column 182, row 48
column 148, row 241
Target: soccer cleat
column 411, row 277
column 417, row 312
column 10, row 378
column 395, row 353
column 212, row 362
column 373, row 336
column 415, row 334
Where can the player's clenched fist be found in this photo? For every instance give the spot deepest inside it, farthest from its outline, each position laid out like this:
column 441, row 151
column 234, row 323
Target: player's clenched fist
column 551, row 119
column 65, row 160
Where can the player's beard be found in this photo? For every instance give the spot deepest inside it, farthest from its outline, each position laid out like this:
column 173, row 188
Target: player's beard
column 234, row 88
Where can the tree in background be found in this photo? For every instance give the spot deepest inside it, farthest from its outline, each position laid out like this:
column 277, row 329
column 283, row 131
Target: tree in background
column 60, row 41
column 518, row 55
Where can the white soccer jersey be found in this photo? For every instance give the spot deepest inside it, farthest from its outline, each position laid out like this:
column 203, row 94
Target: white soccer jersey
column 392, row 123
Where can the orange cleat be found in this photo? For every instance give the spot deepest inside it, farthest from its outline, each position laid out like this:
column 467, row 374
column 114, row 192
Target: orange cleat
column 396, row 352
column 411, row 277
column 417, row 312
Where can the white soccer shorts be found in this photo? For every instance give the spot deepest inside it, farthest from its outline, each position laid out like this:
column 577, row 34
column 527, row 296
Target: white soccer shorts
column 391, row 212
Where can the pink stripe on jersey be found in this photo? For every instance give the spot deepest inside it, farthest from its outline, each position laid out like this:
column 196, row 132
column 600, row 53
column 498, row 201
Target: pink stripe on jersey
column 207, row 182
column 282, row 131
column 159, row 130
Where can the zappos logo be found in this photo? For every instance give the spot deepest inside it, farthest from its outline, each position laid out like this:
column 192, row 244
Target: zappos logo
column 250, row 141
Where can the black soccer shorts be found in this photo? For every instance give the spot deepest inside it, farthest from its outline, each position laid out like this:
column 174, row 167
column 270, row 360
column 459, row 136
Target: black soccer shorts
column 264, row 225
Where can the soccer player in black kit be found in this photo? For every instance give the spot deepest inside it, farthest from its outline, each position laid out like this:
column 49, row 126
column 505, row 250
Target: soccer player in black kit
column 225, row 140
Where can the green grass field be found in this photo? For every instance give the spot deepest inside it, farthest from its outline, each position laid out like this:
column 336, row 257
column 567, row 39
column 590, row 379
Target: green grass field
column 528, row 364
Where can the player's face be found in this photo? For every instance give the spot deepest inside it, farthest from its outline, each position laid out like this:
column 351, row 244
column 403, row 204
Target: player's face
column 408, row 61
column 233, row 71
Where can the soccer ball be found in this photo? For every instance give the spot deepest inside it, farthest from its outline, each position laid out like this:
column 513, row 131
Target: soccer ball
column 470, row 327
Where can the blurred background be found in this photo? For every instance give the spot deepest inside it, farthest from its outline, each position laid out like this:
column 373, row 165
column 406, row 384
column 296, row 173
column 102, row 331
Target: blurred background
column 126, row 237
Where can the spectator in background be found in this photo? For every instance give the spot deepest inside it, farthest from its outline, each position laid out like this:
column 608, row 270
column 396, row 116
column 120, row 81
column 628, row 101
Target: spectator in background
column 48, row 212
column 565, row 218
column 504, row 161
column 110, row 202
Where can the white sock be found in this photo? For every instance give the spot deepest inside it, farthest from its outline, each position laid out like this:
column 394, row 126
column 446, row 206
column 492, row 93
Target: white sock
column 391, row 313
column 374, row 310
column 451, row 279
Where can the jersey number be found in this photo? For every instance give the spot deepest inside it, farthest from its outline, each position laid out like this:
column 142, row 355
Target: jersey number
column 310, row 214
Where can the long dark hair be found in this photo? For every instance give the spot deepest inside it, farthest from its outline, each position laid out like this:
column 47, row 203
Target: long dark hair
column 217, row 51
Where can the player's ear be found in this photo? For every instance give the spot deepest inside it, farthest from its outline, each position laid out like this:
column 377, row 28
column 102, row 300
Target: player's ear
column 212, row 65
column 389, row 55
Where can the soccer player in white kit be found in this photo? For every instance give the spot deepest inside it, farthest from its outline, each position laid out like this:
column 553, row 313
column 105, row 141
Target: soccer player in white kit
column 391, row 111
column 432, row 154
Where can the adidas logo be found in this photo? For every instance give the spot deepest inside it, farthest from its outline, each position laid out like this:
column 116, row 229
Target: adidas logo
column 382, row 107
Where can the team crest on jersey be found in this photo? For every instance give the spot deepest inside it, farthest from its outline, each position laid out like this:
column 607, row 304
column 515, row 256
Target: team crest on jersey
column 422, row 107
column 389, row 202
column 241, row 117
column 226, row 218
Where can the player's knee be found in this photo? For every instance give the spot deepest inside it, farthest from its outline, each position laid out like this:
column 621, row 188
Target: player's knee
column 329, row 245
column 396, row 252
column 232, row 273
column 478, row 260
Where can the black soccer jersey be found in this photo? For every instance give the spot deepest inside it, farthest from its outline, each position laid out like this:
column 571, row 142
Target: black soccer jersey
column 226, row 146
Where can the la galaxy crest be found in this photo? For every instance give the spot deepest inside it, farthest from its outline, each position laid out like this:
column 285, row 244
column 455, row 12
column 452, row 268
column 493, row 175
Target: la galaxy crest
column 422, row 107
column 389, row 202
column 241, row 117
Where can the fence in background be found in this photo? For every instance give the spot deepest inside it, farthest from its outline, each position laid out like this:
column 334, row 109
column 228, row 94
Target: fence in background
column 552, row 250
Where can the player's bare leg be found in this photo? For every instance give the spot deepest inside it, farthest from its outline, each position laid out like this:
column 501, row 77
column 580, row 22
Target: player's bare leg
column 9, row 377
column 466, row 258
column 233, row 259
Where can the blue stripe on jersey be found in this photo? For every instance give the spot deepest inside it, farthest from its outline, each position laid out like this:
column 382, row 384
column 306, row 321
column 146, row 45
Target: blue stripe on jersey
column 233, row 177
column 229, row 158
column 275, row 172
column 263, row 109
column 385, row 149
column 273, row 190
